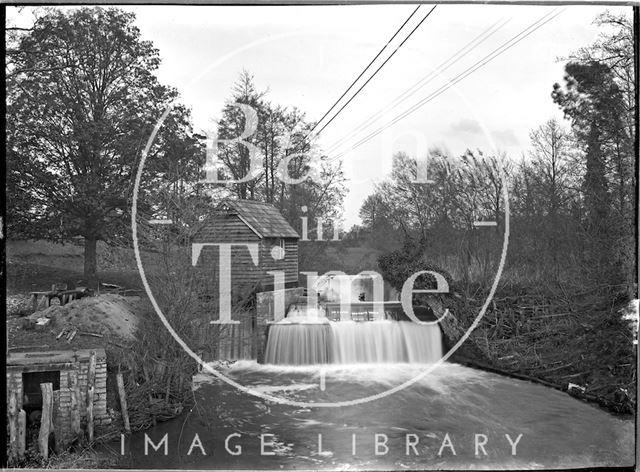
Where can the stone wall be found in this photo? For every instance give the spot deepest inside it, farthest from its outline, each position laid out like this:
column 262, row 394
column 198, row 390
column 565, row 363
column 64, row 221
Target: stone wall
column 73, row 367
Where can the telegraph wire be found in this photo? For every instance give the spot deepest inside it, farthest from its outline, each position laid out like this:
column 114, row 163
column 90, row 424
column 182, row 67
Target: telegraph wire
column 461, row 53
column 377, row 70
column 486, row 59
column 364, row 70
column 479, row 64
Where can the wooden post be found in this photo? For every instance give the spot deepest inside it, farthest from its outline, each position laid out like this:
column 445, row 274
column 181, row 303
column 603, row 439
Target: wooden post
column 75, row 404
column 201, row 356
column 123, row 403
column 55, row 416
column 13, row 426
column 168, row 389
column 232, row 343
column 46, row 420
column 91, row 381
column 22, row 433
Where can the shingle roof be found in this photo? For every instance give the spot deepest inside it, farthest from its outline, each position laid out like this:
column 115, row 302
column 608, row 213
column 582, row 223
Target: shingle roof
column 263, row 218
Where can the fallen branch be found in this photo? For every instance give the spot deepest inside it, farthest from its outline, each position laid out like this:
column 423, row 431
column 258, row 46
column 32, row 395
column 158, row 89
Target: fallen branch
column 30, row 346
column 572, row 375
column 86, row 333
column 551, row 315
column 564, row 366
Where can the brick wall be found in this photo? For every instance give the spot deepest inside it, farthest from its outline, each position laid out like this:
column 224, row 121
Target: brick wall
column 73, row 367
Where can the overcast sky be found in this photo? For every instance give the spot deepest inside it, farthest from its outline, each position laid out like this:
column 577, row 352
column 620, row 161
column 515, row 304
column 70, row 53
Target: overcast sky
column 306, row 56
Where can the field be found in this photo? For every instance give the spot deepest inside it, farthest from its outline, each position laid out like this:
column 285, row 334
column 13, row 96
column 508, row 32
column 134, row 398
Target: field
column 36, row 265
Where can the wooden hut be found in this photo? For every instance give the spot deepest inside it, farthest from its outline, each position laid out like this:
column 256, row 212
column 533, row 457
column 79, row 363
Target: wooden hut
column 246, row 222
column 250, row 222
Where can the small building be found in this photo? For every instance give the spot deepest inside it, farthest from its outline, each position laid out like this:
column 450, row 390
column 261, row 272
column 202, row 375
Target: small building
column 67, row 371
column 247, row 222
column 251, row 222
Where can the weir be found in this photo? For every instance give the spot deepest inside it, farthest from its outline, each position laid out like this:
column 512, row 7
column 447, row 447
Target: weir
column 350, row 327
column 350, row 342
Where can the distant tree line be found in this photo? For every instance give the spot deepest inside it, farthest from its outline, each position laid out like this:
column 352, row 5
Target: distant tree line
column 571, row 199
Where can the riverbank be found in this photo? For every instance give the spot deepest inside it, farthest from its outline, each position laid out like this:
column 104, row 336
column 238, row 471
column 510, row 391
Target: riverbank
column 579, row 343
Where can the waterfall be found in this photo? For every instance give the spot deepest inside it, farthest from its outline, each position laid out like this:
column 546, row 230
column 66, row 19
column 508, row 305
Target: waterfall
column 351, row 342
column 385, row 341
column 295, row 344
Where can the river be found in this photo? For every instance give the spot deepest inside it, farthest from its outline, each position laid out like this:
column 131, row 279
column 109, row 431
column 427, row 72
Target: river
column 454, row 417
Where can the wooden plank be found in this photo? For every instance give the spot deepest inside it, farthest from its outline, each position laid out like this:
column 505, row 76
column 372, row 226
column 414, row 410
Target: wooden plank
column 55, row 412
column 91, row 381
column 46, row 421
column 22, row 433
column 75, row 404
column 123, row 402
column 248, row 342
column 232, row 338
column 13, row 426
column 229, row 343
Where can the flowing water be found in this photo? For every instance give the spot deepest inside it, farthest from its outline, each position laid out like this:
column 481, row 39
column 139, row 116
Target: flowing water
column 350, row 342
column 453, row 417
column 452, row 401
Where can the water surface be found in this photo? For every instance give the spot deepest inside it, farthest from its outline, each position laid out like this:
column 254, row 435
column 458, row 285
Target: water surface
column 446, row 412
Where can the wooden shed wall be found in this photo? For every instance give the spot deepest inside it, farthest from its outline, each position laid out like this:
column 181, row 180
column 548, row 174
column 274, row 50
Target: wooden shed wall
column 244, row 273
column 289, row 264
column 225, row 229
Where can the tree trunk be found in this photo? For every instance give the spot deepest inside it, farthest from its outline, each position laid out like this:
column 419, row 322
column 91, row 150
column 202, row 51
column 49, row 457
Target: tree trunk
column 90, row 261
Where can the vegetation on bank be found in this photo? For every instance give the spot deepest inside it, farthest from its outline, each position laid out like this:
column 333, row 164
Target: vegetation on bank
column 577, row 342
column 570, row 267
column 561, row 335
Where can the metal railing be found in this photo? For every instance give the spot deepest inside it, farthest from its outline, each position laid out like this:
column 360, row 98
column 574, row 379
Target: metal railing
column 363, row 311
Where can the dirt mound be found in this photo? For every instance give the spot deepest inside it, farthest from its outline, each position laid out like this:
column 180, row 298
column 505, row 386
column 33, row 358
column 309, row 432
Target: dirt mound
column 105, row 315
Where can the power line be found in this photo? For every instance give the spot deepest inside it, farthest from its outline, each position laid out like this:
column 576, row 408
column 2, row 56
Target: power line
column 482, row 62
column 486, row 59
column 377, row 70
column 470, row 46
column 364, row 70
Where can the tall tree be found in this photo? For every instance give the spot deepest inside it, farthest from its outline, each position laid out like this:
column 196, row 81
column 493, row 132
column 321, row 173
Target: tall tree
column 81, row 102
column 240, row 164
column 551, row 157
column 595, row 104
column 272, row 136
